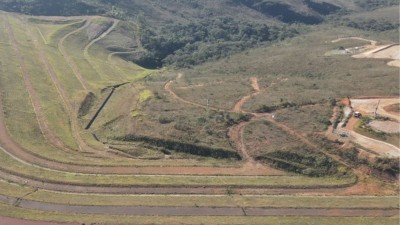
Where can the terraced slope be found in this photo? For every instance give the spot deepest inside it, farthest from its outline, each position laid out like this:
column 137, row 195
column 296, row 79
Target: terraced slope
column 52, row 169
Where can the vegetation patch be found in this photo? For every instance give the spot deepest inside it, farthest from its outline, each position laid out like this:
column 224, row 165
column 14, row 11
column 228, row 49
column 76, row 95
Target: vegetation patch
column 183, row 147
column 49, row 8
column 145, row 95
column 388, row 165
column 87, row 104
column 363, row 127
column 281, row 11
column 200, row 41
column 301, row 161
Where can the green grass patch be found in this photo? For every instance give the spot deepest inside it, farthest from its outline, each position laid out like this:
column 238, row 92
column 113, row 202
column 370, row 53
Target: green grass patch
column 10, row 211
column 145, row 95
column 284, row 201
column 170, row 180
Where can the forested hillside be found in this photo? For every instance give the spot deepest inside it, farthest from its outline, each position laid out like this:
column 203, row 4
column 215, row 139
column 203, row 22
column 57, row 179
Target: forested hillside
column 183, row 33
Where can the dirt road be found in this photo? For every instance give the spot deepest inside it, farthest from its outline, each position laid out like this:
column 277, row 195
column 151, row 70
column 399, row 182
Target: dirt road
column 369, row 105
column 68, row 59
column 383, row 148
column 238, row 106
column 236, row 133
column 13, row 221
column 372, row 42
column 86, row 54
column 168, row 88
column 47, row 133
column 391, row 51
column 196, row 211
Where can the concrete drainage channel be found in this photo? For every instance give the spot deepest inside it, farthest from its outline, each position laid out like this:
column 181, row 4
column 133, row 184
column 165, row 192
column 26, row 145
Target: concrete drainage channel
column 113, row 88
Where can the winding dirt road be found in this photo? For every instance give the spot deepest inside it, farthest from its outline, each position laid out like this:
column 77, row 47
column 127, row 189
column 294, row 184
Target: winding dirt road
column 68, row 59
column 168, row 88
column 235, row 133
column 86, row 54
column 238, row 106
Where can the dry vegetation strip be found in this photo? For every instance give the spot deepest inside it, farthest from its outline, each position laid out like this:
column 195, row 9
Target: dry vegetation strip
column 32, row 214
column 272, row 201
column 194, row 210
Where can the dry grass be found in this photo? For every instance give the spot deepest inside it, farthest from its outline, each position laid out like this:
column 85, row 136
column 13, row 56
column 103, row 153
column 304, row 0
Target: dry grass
column 358, row 202
column 221, row 220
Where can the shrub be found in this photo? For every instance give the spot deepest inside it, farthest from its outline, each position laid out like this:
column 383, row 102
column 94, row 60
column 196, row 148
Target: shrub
column 165, row 120
column 387, row 165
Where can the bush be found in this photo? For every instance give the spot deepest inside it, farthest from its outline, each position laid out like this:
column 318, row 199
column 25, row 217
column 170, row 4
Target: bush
column 390, row 166
column 177, row 146
column 165, row 120
column 87, row 104
column 301, row 161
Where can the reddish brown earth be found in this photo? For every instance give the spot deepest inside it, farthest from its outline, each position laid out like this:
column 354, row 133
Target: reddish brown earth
column 238, row 106
column 393, row 109
column 13, row 221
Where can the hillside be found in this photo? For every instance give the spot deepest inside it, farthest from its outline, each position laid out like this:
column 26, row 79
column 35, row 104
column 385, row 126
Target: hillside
column 182, row 33
column 246, row 112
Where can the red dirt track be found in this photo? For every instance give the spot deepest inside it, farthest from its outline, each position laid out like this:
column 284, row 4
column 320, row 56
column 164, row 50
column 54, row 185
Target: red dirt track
column 12, row 221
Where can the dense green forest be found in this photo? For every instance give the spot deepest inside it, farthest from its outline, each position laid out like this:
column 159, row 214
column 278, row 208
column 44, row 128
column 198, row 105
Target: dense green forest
column 184, row 45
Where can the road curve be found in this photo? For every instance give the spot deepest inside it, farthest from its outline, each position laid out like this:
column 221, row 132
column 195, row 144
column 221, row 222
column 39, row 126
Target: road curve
column 68, row 59
column 380, row 147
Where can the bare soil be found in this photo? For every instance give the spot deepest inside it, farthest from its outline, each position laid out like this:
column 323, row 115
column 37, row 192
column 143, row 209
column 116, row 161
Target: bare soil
column 372, row 50
column 372, row 42
column 393, row 109
column 13, row 221
column 238, row 106
column 386, row 126
column 368, row 105
column 383, row 52
column 380, row 147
